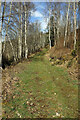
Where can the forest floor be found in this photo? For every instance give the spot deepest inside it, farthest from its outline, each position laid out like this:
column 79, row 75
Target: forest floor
column 36, row 89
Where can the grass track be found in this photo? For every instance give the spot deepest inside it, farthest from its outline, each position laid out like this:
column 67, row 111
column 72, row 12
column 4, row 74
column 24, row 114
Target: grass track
column 43, row 91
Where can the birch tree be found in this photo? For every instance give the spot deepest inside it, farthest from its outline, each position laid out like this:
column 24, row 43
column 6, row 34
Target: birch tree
column 0, row 68
column 58, row 16
column 1, row 29
column 57, row 23
column 26, row 47
column 3, row 11
column 74, row 26
column 67, row 15
column 0, row 40
column 7, row 26
column 20, row 34
column 11, row 47
column 49, row 26
column 54, row 28
column 21, row 23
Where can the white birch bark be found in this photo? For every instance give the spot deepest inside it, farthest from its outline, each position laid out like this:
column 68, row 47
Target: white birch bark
column 54, row 28
column 19, row 40
column 58, row 28
column 11, row 47
column 58, row 23
column 21, row 24
column 69, row 30
column 49, row 27
column 7, row 26
column 1, row 30
column 0, row 40
column 66, row 25
column 74, row 26
column 0, row 66
column 26, row 47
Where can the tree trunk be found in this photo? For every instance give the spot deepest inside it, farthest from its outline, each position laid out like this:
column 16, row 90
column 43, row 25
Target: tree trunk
column 54, row 28
column 58, row 29
column 19, row 41
column 26, row 47
column 12, row 47
column 74, row 26
column 7, row 26
column 0, row 40
column 66, row 25
column 21, row 23
column 69, row 29
column 0, row 67
column 1, row 31
column 3, row 11
column 49, row 28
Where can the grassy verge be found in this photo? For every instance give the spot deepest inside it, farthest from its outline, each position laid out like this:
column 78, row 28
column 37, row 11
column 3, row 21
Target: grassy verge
column 42, row 91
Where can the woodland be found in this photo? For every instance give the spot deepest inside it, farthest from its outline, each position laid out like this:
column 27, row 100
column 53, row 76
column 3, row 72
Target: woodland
column 39, row 59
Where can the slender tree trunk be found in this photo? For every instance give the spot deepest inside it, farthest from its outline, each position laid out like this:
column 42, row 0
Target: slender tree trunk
column 58, row 22
column 49, row 28
column 12, row 47
column 7, row 26
column 26, row 47
column 40, row 39
column 54, row 28
column 21, row 23
column 69, row 29
column 3, row 11
column 74, row 26
column 0, row 67
column 19, row 41
column 1, row 30
column 58, row 28
column 66, row 25
column 0, row 40
column 40, row 34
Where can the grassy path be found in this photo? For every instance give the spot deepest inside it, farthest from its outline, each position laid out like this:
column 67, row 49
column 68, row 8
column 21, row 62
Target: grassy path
column 42, row 91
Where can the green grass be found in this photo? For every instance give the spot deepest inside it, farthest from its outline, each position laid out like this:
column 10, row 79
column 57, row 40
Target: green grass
column 42, row 91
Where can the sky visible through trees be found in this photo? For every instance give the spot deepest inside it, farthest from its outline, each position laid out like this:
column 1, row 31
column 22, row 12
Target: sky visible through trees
column 39, row 41
column 19, row 19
